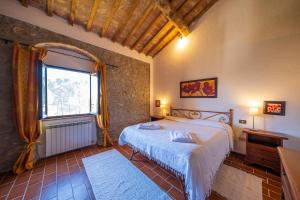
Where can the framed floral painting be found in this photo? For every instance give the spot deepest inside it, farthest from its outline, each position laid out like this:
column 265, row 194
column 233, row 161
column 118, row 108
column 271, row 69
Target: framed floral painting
column 274, row 107
column 202, row 88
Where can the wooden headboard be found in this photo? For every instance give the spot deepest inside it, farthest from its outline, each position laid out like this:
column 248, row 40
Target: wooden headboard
column 226, row 117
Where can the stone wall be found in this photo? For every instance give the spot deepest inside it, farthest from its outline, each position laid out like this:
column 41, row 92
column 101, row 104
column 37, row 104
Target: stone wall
column 128, row 86
column 10, row 142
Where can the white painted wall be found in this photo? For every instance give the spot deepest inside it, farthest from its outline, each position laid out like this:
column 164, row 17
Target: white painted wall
column 253, row 47
column 14, row 9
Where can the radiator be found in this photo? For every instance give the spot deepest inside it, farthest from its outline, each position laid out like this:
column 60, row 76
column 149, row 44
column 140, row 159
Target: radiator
column 68, row 136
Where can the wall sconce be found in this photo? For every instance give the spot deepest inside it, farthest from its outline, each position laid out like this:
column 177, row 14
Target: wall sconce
column 181, row 43
column 253, row 111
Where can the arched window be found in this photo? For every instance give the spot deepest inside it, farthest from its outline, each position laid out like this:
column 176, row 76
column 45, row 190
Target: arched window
column 68, row 85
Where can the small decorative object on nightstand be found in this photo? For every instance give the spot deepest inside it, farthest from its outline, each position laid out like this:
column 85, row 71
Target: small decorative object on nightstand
column 156, row 117
column 261, row 148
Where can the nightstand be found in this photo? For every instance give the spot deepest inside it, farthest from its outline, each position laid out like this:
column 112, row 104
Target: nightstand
column 261, row 148
column 156, row 117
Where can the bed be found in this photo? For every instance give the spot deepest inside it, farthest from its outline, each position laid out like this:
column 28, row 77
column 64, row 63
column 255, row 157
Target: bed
column 195, row 163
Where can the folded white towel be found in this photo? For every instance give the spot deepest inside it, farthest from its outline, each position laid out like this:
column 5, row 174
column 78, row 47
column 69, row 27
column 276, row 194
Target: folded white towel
column 149, row 126
column 182, row 136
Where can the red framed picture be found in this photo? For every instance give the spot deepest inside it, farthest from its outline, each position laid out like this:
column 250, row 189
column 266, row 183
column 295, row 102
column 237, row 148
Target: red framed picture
column 202, row 88
column 274, row 107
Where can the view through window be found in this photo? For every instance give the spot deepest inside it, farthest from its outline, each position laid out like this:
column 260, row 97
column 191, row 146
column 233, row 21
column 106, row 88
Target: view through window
column 68, row 92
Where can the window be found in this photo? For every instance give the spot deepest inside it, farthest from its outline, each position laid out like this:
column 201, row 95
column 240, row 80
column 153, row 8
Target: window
column 67, row 92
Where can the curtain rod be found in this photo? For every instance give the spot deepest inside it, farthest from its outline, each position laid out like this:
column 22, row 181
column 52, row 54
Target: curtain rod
column 24, row 44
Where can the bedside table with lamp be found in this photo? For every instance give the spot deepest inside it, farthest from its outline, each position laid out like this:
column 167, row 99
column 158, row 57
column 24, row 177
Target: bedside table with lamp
column 261, row 145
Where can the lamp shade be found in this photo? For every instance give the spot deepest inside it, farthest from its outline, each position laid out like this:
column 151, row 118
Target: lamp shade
column 253, row 111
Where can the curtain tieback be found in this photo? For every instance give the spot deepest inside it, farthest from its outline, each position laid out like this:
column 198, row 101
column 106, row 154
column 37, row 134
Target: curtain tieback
column 30, row 144
column 105, row 129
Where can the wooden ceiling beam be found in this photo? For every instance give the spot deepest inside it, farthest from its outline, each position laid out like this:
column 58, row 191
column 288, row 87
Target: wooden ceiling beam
column 147, row 47
column 110, row 16
column 173, row 16
column 193, row 7
column 161, row 39
column 164, row 41
column 50, row 7
column 147, row 30
column 170, row 37
column 166, row 27
column 92, row 15
column 73, row 10
column 181, row 5
column 202, row 12
column 123, row 24
column 138, row 24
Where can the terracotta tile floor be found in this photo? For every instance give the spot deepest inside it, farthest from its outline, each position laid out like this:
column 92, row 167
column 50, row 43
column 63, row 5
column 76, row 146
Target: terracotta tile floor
column 64, row 177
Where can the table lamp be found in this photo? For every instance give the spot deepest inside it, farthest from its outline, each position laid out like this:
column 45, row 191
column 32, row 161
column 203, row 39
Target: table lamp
column 253, row 111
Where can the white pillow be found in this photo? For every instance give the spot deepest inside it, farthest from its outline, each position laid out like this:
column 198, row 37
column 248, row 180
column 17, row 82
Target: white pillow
column 181, row 136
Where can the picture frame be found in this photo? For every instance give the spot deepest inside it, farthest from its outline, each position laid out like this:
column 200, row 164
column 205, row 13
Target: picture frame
column 274, row 108
column 201, row 88
column 157, row 103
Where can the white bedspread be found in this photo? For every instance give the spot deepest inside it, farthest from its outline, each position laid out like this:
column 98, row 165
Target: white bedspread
column 198, row 163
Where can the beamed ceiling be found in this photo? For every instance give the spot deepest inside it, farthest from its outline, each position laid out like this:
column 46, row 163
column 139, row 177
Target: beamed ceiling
column 146, row 26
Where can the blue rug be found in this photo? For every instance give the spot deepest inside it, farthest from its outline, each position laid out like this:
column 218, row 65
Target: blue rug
column 113, row 177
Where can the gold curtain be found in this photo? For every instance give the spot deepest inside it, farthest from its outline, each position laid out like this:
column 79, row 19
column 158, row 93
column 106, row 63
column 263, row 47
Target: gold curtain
column 103, row 116
column 25, row 85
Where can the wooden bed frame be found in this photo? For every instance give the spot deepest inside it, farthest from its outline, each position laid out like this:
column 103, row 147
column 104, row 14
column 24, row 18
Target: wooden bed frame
column 226, row 117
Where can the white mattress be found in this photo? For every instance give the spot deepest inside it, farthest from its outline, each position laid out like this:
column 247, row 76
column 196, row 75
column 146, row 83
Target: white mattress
column 197, row 163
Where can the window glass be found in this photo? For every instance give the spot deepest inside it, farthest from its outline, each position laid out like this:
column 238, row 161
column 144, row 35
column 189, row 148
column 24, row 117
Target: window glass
column 68, row 92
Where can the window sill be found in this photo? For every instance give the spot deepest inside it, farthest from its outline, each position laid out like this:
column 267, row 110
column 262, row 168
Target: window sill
column 68, row 117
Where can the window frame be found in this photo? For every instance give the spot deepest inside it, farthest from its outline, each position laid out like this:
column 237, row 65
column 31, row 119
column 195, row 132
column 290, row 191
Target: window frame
column 42, row 65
